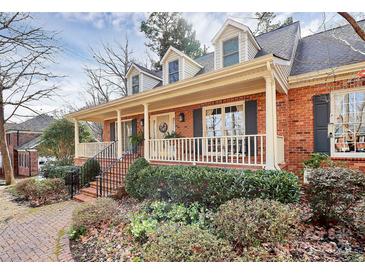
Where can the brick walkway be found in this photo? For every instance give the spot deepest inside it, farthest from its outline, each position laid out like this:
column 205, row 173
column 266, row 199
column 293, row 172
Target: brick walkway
column 34, row 234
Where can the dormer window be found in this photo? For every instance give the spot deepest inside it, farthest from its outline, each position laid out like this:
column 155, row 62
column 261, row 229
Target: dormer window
column 135, row 84
column 230, row 52
column 173, row 71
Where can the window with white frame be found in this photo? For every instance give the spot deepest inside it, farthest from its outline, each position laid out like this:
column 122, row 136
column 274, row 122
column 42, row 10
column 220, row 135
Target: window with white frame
column 230, row 52
column 348, row 114
column 226, row 120
column 135, row 84
column 173, row 71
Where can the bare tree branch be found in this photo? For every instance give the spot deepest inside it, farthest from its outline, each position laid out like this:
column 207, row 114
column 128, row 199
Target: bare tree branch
column 26, row 53
column 360, row 32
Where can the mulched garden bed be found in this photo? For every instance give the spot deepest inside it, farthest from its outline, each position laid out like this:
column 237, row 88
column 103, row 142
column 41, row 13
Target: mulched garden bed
column 312, row 243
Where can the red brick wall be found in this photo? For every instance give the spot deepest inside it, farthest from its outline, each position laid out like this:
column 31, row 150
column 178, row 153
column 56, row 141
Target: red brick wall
column 24, row 170
column 294, row 120
column 301, row 121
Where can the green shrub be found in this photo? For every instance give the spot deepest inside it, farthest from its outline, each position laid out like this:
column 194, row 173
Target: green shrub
column 252, row 222
column 359, row 219
column 93, row 213
column 316, row 160
column 56, row 169
column 89, row 171
column 147, row 219
column 133, row 183
column 260, row 254
column 334, row 192
column 209, row 186
column 39, row 192
column 186, row 243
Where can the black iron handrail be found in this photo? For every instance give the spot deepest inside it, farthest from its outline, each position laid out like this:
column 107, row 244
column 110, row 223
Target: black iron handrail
column 92, row 168
column 113, row 177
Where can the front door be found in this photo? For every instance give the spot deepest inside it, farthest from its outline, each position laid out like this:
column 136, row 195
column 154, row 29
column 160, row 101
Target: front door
column 161, row 125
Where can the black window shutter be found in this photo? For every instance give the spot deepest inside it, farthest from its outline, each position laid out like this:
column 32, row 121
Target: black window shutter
column 321, row 113
column 251, row 117
column 198, row 122
column 134, row 127
column 198, row 126
column 112, row 131
column 134, row 132
column 250, row 123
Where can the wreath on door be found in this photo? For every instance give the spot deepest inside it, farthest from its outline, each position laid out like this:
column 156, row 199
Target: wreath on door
column 163, row 127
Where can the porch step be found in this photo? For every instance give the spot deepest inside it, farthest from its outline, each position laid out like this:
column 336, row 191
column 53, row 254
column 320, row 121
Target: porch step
column 83, row 198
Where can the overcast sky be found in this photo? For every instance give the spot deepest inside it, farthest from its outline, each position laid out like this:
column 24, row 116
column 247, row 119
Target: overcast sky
column 80, row 31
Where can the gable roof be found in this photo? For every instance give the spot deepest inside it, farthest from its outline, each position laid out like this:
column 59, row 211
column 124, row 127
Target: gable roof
column 152, row 73
column 235, row 23
column 328, row 49
column 280, row 42
column 32, row 144
column 171, row 48
column 36, row 124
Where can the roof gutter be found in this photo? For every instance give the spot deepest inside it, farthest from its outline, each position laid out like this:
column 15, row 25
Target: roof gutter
column 302, row 79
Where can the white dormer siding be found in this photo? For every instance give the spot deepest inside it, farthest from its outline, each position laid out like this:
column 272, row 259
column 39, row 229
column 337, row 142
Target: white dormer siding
column 247, row 45
column 132, row 73
column 187, row 67
column 146, row 82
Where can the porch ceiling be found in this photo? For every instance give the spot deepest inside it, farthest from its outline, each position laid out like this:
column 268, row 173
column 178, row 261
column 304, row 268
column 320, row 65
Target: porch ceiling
column 239, row 80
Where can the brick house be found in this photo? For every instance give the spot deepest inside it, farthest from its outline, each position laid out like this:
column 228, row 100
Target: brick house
column 265, row 101
column 22, row 140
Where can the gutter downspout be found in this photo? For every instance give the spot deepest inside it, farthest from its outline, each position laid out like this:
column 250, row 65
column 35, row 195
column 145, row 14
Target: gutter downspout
column 271, row 73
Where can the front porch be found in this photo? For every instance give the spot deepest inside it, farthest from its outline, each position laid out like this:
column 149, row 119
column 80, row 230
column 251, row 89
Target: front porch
column 228, row 119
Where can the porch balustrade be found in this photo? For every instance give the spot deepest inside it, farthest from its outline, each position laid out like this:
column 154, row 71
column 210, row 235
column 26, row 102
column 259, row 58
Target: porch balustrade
column 231, row 150
column 91, row 149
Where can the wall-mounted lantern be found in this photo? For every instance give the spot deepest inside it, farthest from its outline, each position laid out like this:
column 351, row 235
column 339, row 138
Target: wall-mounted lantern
column 181, row 117
column 142, row 122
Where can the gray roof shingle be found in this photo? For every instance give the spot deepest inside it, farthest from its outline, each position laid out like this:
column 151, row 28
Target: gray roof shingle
column 315, row 52
column 279, row 42
column 328, row 49
column 32, row 144
column 157, row 73
column 38, row 124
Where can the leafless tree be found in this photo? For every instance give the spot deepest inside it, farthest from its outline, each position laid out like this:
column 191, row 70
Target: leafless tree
column 25, row 55
column 108, row 80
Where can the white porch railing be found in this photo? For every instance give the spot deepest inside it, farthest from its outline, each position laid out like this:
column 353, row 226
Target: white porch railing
column 91, row 149
column 231, row 150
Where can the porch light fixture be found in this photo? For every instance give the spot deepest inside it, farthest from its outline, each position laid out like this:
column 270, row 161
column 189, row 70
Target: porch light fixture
column 181, row 117
column 142, row 122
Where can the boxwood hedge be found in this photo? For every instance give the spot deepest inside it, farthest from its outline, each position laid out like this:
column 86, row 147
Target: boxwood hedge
column 209, row 186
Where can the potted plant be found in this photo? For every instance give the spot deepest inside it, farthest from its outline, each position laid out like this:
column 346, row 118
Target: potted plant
column 172, row 134
column 316, row 161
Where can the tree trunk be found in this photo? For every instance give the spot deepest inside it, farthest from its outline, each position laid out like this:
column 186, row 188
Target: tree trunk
column 7, row 168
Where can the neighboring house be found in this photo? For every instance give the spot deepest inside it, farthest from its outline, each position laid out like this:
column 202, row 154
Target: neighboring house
column 22, row 140
column 265, row 101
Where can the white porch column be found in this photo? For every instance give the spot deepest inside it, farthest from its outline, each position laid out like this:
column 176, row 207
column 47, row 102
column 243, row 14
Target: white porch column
column 146, row 131
column 271, row 133
column 77, row 138
column 119, row 134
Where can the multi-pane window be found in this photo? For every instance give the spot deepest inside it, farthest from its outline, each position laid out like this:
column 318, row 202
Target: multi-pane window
column 135, row 84
column 349, row 122
column 224, row 121
column 230, row 52
column 173, row 71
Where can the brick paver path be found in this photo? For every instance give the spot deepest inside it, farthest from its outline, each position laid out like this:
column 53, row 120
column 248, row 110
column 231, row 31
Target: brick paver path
column 34, row 234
